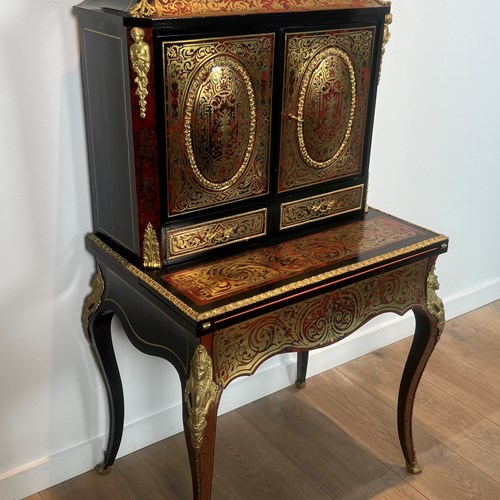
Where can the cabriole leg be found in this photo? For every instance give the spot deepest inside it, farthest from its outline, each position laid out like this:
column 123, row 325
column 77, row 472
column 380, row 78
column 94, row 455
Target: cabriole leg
column 102, row 346
column 201, row 401
column 97, row 327
column 429, row 326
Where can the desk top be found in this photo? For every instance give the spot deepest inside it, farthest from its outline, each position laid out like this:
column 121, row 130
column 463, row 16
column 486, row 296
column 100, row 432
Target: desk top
column 268, row 274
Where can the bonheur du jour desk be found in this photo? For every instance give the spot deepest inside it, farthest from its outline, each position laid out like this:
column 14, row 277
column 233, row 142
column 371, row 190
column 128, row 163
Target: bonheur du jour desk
column 220, row 319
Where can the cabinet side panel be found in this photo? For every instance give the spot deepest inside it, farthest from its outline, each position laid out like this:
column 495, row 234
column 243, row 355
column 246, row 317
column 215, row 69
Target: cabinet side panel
column 108, row 129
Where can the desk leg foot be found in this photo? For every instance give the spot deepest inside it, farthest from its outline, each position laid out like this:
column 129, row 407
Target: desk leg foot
column 102, row 347
column 102, row 470
column 302, row 360
column 414, row 469
column 429, row 324
column 200, row 404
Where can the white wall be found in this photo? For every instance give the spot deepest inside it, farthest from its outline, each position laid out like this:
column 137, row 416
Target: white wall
column 435, row 161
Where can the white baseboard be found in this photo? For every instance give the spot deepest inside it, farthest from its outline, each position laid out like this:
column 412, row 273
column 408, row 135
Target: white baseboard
column 274, row 375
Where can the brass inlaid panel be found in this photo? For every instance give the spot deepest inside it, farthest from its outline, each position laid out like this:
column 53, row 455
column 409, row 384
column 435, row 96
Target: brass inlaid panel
column 218, row 113
column 219, row 130
column 216, row 280
column 323, row 206
column 200, row 237
column 316, row 322
column 188, row 8
column 326, row 87
column 327, row 100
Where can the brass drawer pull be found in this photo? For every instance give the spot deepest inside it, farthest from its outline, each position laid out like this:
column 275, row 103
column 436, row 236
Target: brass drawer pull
column 323, row 207
column 217, row 236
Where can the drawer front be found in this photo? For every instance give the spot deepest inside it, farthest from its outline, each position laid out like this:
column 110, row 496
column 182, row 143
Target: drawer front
column 191, row 240
column 325, row 98
column 323, row 206
column 218, row 116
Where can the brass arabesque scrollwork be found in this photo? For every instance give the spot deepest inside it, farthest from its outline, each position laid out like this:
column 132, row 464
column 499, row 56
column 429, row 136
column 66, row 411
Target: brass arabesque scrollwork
column 325, row 64
column 142, row 9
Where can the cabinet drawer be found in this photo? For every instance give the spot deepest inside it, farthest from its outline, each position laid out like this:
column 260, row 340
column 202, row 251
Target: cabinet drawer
column 190, row 240
column 323, row 206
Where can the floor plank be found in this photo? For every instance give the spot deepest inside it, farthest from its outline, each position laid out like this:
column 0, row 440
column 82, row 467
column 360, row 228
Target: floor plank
column 371, row 423
column 152, row 474
column 454, row 423
column 92, row 486
column 252, row 467
column 331, row 458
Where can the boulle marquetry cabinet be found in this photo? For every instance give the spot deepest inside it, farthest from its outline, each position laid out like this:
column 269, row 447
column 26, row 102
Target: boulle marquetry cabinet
column 229, row 145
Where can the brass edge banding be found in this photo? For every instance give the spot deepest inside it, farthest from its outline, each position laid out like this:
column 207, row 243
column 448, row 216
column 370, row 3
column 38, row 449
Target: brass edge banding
column 142, row 276
column 196, row 316
column 172, row 232
column 284, row 206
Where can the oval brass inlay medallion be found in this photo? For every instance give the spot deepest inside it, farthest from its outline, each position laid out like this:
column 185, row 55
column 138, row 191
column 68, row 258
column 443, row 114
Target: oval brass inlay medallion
column 220, row 123
column 326, row 106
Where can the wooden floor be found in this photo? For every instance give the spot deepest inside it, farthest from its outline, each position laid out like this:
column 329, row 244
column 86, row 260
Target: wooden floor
column 337, row 437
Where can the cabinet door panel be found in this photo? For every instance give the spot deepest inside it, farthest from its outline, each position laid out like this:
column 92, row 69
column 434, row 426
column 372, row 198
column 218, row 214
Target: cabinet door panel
column 325, row 97
column 218, row 113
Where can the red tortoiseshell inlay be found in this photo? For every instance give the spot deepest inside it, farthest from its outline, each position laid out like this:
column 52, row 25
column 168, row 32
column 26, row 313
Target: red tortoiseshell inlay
column 219, row 279
column 188, row 8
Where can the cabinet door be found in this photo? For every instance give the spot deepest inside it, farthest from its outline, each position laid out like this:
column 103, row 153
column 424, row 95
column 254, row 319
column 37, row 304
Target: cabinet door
column 325, row 98
column 218, row 114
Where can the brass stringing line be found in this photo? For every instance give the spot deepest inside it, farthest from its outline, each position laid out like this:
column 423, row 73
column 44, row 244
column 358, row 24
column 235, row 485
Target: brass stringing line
column 140, row 338
column 262, row 296
column 92, row 132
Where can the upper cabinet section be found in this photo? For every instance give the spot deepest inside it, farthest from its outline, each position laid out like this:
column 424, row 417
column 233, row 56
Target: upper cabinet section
column 213, row 123
column 325, row 97
column 218, row 116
